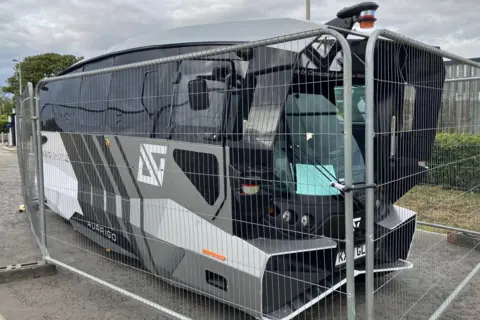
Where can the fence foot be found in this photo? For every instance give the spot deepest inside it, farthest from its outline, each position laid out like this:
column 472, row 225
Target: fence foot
column 22, row 271
column 464, row 239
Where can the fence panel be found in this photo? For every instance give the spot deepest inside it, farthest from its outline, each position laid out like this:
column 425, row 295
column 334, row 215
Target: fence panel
column 421, row 148
column 27, row 157
column 224, row 172
column 247, row 174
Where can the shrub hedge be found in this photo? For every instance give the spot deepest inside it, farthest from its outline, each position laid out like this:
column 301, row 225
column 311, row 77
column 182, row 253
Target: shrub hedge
column 3, row 123
column 455, row 161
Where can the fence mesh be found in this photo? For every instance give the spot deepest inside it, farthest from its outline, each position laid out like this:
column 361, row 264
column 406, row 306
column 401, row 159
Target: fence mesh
column 208, row 172
column 457, row 146
column 426, row 155
column 234, row 182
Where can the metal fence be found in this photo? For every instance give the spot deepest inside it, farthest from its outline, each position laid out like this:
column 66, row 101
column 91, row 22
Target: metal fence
column 255, row 180
column 404, row 148
column 461, row 103
column 459, row 114
column 178, row 187
column 28, row 159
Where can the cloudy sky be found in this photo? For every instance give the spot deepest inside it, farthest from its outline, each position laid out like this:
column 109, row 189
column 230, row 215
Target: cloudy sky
column 81, row 27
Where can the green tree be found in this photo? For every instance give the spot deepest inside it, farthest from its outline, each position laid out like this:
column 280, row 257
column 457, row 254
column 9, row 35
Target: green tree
column 35, row 68
column 6, row 105
column 6, row 102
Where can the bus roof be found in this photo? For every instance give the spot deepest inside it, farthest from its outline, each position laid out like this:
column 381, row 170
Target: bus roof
column 222, row 32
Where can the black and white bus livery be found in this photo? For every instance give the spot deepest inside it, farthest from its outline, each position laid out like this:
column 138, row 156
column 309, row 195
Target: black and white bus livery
column 214, row 173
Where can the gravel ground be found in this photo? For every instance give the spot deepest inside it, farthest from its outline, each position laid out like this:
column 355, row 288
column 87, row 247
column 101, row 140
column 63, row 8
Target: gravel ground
column 414, row 294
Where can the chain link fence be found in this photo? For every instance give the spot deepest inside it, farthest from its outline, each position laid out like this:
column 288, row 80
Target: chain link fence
column 250, row 180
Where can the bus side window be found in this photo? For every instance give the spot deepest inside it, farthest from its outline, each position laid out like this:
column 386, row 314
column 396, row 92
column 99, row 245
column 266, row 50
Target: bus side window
column 157, row 95
column 198, row 125
column 59, row 105
column 125, row 112
column 94, row 92
column 240, row 102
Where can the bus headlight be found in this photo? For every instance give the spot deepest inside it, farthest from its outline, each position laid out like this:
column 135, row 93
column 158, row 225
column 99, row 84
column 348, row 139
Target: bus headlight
column 305, row 221
column 287, row 216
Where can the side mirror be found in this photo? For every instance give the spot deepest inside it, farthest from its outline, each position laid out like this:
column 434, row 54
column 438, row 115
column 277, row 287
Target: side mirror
column 198, row 95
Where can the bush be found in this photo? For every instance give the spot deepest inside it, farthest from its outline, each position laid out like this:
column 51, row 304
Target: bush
column 455, row 161
column 3, row 123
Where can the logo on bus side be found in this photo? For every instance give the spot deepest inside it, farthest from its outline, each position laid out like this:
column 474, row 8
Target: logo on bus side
column 148, row 154
column 356, row 222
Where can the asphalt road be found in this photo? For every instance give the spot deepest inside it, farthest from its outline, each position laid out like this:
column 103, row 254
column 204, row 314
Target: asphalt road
column 414, row 294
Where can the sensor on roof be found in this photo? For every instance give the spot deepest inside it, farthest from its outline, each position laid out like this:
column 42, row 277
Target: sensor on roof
column 367, row 19
column 363, row 13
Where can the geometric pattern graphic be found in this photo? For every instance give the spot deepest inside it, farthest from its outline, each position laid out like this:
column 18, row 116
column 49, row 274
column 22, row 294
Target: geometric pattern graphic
column 155, row 171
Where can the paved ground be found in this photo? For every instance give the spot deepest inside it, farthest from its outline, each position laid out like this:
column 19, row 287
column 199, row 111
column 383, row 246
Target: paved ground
column 413, row 294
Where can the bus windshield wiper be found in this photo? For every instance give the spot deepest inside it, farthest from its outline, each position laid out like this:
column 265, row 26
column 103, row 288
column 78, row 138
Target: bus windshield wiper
column 316, row 164
column 330, row 177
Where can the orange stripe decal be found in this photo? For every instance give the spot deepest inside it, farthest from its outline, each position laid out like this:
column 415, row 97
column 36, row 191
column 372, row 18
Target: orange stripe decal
column 213, row 254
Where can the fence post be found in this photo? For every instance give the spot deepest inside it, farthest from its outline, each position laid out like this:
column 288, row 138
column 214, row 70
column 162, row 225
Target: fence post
column 37, row 141
column 19, row 106
column 369, row 175
column 348, row 178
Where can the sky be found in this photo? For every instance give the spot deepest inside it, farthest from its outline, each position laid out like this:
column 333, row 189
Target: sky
column 83, row 27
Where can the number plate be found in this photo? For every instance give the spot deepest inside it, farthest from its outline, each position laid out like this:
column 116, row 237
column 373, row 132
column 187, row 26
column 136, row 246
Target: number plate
column 359, row 251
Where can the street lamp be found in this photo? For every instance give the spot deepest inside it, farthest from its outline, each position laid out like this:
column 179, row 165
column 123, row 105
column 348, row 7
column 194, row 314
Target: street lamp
column 19, row 74
column 307, row 7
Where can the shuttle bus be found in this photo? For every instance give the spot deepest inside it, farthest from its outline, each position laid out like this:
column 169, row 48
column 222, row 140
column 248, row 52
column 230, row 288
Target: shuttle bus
column 215, row 173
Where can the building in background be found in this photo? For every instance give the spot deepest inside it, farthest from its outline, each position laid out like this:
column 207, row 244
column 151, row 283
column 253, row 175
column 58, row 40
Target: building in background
column 462, row 94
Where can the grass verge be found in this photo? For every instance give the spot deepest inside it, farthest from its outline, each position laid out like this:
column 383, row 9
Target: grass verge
column 453, row 208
